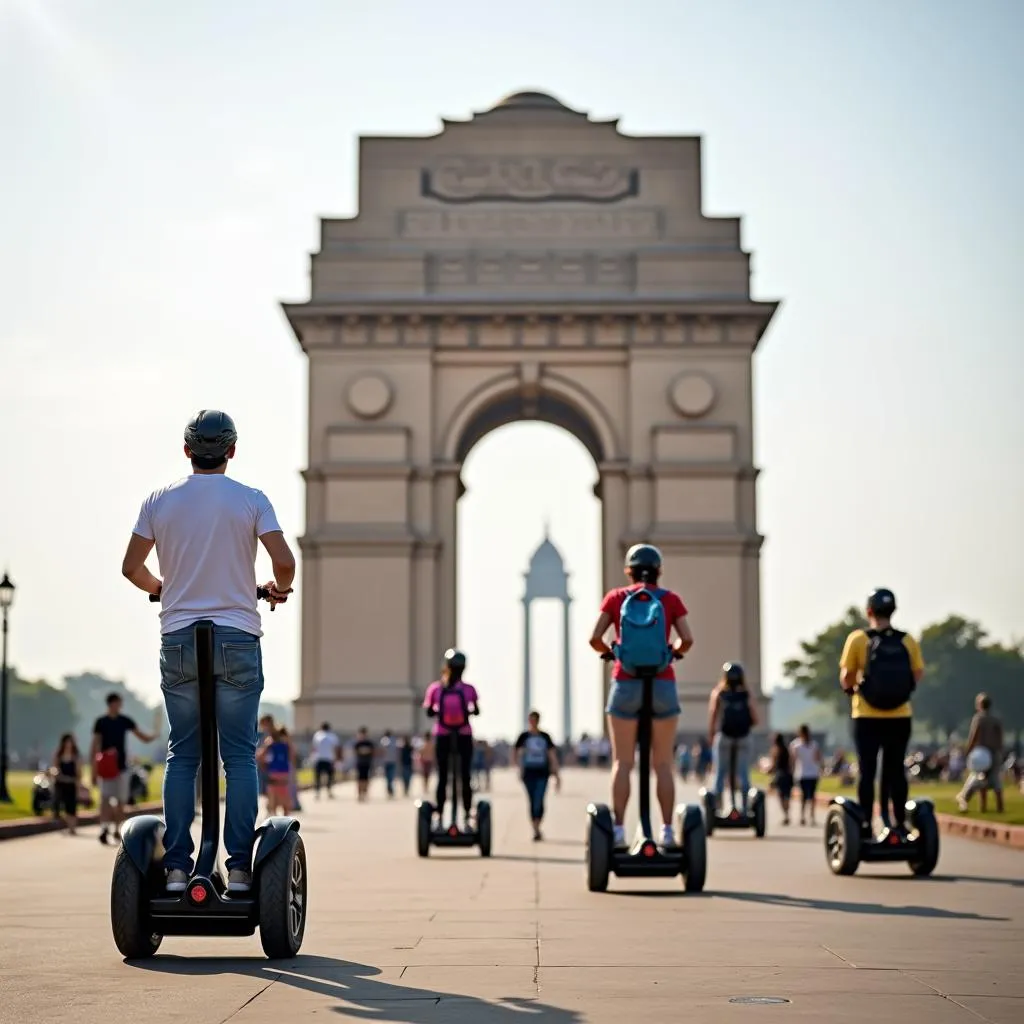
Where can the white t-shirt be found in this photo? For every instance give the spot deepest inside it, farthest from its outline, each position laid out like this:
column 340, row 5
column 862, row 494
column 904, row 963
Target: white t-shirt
column 325, row 745
column 205, row 528
column 805, row 764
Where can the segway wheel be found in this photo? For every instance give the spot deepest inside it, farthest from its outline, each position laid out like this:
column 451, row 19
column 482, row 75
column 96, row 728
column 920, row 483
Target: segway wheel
column 129, row 916
column 922, row 817
column 483, row 827
column 424, row 819
column 842, row 842
column 694, row 839
column 600, row 840
column 760, row 815
column 282, row 899
column 710, row 810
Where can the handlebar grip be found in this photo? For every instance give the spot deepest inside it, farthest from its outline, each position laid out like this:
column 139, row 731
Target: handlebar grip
column 154, row 598
column 607, row 656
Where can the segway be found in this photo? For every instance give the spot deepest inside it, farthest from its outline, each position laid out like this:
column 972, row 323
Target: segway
column 755, row 817
column 142, row 912
column 427, row 835
column 850, row 841
column 646, row 858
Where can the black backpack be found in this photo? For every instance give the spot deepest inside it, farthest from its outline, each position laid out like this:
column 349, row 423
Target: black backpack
column 888, row 675
column 736, row 720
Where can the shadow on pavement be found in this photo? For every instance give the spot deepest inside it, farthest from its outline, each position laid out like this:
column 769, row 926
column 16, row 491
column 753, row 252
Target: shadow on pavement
column 846, row 907
column 524, row 857
column 358, row 994
column 1014, row 883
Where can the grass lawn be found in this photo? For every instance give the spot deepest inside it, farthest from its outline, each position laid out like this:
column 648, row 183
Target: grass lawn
column 944, row 796
column 19, row 785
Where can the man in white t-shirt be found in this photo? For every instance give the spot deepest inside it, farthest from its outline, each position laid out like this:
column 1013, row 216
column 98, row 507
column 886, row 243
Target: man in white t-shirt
column 204, row 528
column 326, row 752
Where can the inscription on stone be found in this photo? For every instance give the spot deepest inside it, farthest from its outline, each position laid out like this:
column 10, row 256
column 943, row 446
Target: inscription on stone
column 529, row 180
column 533, row 225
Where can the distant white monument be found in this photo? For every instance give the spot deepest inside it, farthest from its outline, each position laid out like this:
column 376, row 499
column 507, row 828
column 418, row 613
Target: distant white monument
column 547, row 578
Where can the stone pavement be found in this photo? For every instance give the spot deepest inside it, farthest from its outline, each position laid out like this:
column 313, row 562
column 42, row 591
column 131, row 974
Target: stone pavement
column 516, row 938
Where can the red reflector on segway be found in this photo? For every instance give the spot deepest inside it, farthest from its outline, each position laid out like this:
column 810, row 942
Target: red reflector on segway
column 198, row 893
column 734, row 815
column 453, row 831
column 649, row 850
column 893, row 839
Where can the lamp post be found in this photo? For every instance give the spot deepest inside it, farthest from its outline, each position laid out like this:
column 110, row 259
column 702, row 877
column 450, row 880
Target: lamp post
column 6, row 599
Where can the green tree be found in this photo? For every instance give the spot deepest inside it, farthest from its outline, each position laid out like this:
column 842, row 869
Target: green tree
column 816, row 671
column 1004, row 682
column 958, row 664
column 40, row 714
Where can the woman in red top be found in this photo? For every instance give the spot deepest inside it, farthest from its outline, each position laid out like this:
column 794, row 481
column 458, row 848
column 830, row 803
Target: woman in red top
column 643, row 567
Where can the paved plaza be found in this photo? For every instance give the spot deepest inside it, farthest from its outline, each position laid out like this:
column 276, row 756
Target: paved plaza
column 392, row 938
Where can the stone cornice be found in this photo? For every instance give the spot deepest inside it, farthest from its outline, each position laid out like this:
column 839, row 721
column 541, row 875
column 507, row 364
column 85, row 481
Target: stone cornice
column 416, row 322
column 366, row 542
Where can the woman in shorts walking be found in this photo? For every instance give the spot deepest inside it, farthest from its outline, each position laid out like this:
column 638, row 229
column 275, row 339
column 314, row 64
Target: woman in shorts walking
column 277, row 757
column 806, row 770
column 782, row 774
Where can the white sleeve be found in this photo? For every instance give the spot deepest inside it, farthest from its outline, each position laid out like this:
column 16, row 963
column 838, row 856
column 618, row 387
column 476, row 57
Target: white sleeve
column 266, row 519
column 144, row 524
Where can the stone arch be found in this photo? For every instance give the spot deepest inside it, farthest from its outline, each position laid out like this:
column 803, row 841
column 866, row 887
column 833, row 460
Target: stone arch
column 500, row 405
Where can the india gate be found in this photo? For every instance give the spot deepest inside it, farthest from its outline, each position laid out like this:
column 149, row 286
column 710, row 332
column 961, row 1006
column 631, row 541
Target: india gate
column 525, row 263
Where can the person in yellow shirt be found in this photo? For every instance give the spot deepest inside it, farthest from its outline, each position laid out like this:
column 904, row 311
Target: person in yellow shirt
column 880, row 667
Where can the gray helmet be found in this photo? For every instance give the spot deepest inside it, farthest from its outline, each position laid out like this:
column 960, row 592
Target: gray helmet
column 643, row 556
column 210, row 433
column 882, row 602
column 454, row 659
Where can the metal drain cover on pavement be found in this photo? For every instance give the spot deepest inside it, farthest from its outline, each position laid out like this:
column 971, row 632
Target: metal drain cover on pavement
column 759, row 1000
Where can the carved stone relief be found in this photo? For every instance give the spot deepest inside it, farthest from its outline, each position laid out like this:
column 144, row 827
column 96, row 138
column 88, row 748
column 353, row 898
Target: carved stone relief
column 529, row 180
column 566, row 272
column 370, row 395
column 692, row 394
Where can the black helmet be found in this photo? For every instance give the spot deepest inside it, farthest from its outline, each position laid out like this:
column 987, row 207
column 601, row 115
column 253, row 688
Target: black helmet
column 882, row 602
column 210, row 433
column 733, row 673
column 643, row 556
column 455, row 660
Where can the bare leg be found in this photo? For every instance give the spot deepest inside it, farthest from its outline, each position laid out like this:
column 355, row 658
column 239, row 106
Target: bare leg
column 623, row 735
column 663, row 736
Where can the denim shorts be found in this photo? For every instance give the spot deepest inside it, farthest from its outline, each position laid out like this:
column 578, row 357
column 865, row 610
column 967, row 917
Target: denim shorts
column 625, row 697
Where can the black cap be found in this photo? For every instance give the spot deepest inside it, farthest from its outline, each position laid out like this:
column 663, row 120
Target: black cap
column 454, row 659
column 733, row 672
column 210, row 433
column 882, row 602
column 643, row 556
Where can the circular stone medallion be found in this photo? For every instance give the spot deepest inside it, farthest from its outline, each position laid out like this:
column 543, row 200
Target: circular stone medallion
column 692, row 394
column 370, row 395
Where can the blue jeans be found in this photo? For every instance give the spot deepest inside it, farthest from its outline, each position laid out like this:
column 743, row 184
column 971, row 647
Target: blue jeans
column 390, row 771
column 723, row 748
column 536, row 787
column 626, row 696
column 238, row 674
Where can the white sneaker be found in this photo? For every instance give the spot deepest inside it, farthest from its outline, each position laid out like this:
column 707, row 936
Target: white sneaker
column 177, row 880
column 668, row 837
column 239, row 881
column 620, row 835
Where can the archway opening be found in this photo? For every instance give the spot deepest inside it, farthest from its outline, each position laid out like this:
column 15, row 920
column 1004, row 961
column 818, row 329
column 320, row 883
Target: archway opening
column 524, row 481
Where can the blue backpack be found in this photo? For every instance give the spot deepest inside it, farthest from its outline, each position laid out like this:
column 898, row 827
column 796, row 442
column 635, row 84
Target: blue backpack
column 643, row 645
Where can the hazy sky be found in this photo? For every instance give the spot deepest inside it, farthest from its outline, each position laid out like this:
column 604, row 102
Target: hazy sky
column 163, row 169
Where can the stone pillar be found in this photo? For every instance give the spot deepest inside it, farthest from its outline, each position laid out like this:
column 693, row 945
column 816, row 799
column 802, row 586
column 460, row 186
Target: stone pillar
column 527, row 694
column 566, row 673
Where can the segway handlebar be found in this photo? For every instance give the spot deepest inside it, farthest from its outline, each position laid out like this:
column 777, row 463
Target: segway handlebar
column 609, row 656
column 262, row 594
